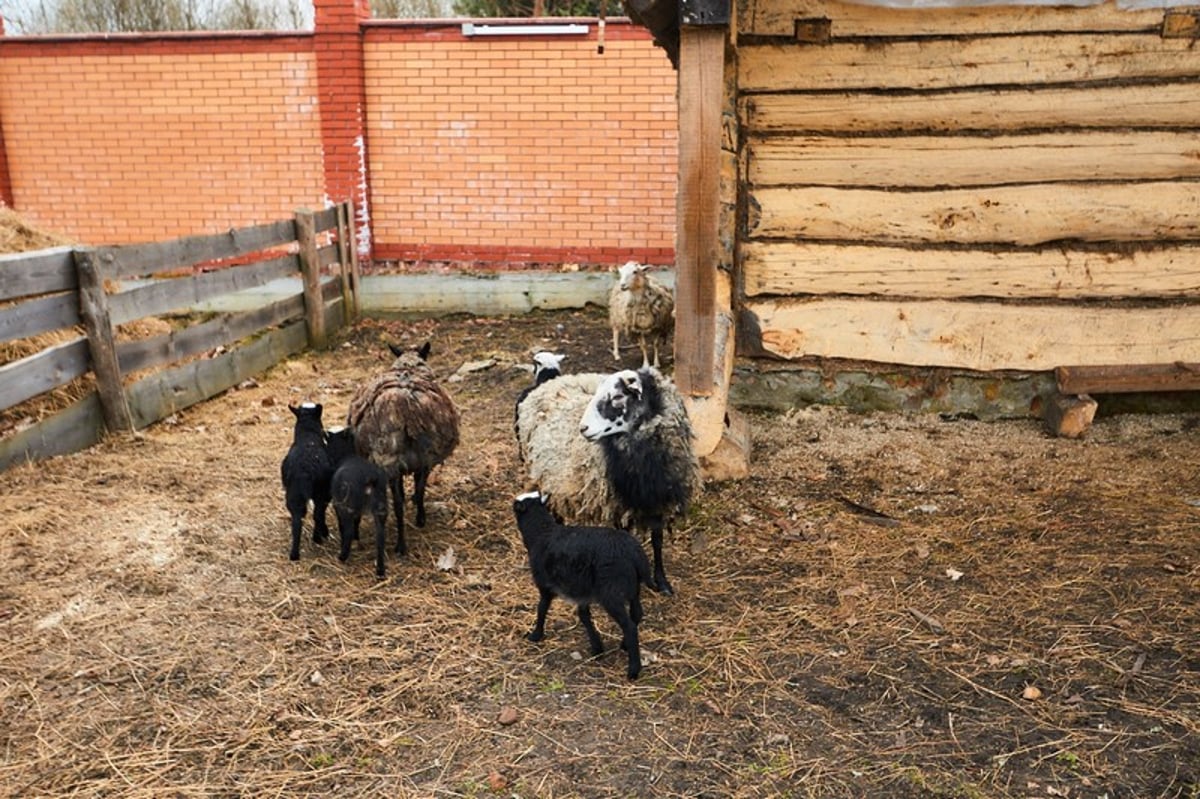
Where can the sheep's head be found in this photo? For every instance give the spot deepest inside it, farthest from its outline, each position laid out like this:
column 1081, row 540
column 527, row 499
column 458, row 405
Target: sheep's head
column 546, row 362
column 628, row 274
column 307, row 411
column 614, row 408
column 526, row 501
column 410, row 357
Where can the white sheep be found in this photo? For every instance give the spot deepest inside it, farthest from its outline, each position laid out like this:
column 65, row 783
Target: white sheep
column 635, row 469
column 638, row 305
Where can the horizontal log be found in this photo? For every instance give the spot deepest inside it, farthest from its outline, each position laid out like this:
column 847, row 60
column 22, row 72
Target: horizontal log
column 983, row 336
column 43, row 371
column 169, row 294
column 1160, row 105
column 947, row 63
column 33, row 317
column 77, row 427
column 166, row 392
column 27, row 274
column 1025, row 215
column 1112, row 379
column 225, row 329
column 791, row 268
column 140, row 260
column 778, row 18
column 950, row 161
column 325, row 219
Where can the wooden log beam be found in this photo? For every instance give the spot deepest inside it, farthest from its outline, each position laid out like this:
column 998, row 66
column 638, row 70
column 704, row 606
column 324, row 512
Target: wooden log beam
column 310, row 268
column 93, row 308
column 1125, row 379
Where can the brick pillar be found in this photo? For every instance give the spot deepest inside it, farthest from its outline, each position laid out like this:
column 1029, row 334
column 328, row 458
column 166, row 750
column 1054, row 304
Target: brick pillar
column 342, row 96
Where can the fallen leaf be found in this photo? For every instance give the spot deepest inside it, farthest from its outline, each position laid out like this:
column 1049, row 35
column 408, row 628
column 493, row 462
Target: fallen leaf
column 954, row 574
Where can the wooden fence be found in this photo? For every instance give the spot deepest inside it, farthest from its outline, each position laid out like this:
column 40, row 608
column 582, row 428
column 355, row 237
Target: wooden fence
column 97, row 289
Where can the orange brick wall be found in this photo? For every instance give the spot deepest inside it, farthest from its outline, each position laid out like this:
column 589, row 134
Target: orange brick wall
column 520, row 149
column 152, row 140
column 505, row 151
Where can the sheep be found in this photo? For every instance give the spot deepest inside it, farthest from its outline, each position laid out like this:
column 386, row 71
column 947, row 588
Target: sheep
column 546, row 366
column 357, row 485
column 306, row 472
column 637, row 469
column 405, row 423
column 640, row 305
column 585, row 566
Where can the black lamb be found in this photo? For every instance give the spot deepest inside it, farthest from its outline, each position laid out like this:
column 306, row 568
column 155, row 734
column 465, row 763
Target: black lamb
column 357, row 486
column 306, row 472
column 585, row 565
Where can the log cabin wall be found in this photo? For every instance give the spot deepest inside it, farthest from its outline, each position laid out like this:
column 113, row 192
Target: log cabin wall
column 990, row 188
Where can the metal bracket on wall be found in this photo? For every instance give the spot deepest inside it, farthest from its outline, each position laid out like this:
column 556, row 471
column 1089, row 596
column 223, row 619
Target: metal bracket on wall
column 704, row 12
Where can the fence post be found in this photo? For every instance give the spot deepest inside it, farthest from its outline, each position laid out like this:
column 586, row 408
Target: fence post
column 310, row 270
column 348, row 259
column 93, row 309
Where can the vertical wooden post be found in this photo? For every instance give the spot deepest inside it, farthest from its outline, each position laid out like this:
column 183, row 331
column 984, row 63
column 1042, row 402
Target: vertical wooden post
column 93, row 309
column 698, row 211
column 345, row 234
column 310, row 272
column 352, row 247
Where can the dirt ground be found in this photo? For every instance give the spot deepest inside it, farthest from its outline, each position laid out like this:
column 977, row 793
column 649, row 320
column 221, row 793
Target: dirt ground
column 889, row 606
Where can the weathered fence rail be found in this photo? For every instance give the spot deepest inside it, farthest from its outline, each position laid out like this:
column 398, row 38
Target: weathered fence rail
column 98, row 289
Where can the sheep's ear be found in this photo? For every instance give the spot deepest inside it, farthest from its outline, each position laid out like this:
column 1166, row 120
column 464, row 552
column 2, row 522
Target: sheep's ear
column 397, row 351
column 294, row 409
column 424, row 351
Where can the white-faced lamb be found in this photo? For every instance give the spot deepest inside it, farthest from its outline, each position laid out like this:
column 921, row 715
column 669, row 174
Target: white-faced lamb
column 585, row 566
column 638, row 305
column 306, row 472
column 357, row 486
column 405, row 423
column 612, row 450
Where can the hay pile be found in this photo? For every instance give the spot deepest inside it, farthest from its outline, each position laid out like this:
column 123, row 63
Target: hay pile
column 889, row 606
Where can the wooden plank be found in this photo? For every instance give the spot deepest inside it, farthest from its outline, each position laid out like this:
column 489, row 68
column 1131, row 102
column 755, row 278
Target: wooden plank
column 70, row 430
column 1124, row 379
column 93, row 309
column 166, row 392
column 701, row 95
column 310, row 271
column 326, row 219
column 946, row 63
column 973, row 335
column 27, row 274
column 949, row 161
column 222, row 330
column 140, row 260
column 344, row 247
column 1160, row 105
column 1026, row 215
column 169, row 294
column 41, row 315
column 791, row 268
column 352, row 250
column 778, row 17
column 45, row 370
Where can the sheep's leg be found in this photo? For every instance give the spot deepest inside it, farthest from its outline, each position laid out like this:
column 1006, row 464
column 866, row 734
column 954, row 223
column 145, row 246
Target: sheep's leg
column 585, row 618
column 297, row 505
column 320, row 528
column 539, row 627
column 660, row 573
column 297, row 519
column 629, row 636
column 635, row 608
column 645, row 351
column 420, row 478
column 398, row 506
column 347, row 531
column 616, row 344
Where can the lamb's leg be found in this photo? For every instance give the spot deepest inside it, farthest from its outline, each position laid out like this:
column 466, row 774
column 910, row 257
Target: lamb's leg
column 296, row 504
column 635, row 608
column 420, row 478
column 297, row 519
column 660, row 573
column 398, row 506
column 380, row 515
column 629, row 636
column 347, row 531
column 320, row 528
column 585, row 618
column 539, row 627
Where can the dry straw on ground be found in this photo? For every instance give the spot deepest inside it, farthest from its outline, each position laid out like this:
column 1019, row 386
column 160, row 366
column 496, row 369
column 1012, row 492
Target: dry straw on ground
column 864, row 616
